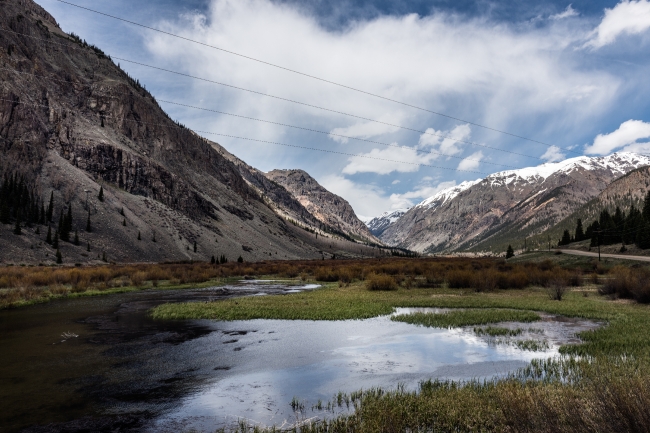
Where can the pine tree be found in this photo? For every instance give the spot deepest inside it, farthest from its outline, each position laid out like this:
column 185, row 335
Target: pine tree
column 139, row 237
column 510, row 252
column 55, row 241
column 240, row 259
column 194, row 246
column 566, row 238
column 76, row 237
column 212, row 260
column 59, row 258
column 38, row 230
column 594, row 228
column 41, row 218
column 48, row 238
column 580, row 235
column 122, row 211
column 104, row 256
column 88, row 227
column 88, row 247
column 153, row 239
column 643, row 235
column 50, row 208
column 100, row 196
column 124, row 222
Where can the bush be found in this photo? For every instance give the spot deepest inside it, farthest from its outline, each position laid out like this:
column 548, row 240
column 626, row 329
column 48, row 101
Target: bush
column 381, row 282
column 460, row 279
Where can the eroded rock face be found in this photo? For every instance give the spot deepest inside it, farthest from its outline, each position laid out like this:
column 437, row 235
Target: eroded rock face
column 327, row 207
column 71, row 121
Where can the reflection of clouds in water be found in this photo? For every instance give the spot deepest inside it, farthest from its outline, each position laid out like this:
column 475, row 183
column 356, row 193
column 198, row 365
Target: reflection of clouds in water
column 314, row 360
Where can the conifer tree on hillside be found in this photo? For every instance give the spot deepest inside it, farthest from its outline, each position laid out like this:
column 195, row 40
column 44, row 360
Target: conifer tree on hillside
column 48, row 238
column 580, row 234
column 510, row 252
column 17, row 229
column 50, row 208
column 566, row 238
column 100, row 196
column 55, row 241
column 59, row 258
column 88, row 227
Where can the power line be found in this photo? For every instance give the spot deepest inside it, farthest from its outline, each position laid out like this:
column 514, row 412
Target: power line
column 314, row 77
column 472, row 143
column 268, row 142
column 287, row 125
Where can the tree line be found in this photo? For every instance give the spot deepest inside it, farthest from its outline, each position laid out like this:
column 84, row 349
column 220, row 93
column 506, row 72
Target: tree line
column 628, row 228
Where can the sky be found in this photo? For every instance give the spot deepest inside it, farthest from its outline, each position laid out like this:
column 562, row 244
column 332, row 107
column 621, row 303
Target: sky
column 387, row 102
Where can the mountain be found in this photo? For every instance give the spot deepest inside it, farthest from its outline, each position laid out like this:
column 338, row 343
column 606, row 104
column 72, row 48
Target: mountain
column 507, row 207
column 625, row 191
column 330, row 209
column 378, row 225
column 73, row 123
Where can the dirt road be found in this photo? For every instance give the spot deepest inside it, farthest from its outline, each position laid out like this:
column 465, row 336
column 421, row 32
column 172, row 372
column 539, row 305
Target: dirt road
column 611, row 256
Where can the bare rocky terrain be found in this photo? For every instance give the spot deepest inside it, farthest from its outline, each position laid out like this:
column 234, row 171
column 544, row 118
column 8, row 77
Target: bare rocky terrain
column 72, row 122
column 331, row 210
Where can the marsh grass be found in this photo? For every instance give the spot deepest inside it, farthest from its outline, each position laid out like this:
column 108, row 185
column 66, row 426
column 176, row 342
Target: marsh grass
column 457, row 319
column 494, row 331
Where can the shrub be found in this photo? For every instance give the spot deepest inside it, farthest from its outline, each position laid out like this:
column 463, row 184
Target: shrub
column 460, row 279
column 381, row 282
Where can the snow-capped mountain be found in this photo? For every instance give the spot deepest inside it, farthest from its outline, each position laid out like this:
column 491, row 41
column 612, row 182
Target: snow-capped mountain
column 507, row 206
column 447, row 194
column 379, row 224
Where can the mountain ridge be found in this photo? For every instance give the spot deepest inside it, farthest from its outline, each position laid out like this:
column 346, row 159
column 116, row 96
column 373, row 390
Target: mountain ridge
column 506, row 206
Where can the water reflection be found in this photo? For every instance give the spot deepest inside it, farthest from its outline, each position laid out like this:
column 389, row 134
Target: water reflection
column 315, row 360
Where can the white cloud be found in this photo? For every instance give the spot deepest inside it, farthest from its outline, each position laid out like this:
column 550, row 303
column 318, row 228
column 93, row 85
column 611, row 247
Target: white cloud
column 471, row 162
column 395, row 182
column 405, row 200
column 493, row 74
column 567, row 13
column 385, row 161
column 364, row 130
column 628, row 134
column 447, row 142
column 627, row 17
column 553, row 154
column 367, row 200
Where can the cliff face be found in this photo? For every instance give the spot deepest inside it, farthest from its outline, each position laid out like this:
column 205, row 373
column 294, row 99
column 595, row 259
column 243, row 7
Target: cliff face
column 506, row 207
column 328, row 208
column 71, row 121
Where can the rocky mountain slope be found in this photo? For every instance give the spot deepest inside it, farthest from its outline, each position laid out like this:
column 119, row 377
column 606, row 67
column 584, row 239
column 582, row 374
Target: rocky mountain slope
column 72, row 122
column 508, row 206
column 330, row 209
column 378, row 225
column 625, row 191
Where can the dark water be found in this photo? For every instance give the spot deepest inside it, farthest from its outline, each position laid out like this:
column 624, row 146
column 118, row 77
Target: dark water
column 126, row 372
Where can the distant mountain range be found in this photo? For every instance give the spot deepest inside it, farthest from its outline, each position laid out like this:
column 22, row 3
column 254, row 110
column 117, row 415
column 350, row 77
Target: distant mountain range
column 503, row 208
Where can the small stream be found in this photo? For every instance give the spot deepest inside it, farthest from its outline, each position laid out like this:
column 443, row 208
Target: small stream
column 102, row 364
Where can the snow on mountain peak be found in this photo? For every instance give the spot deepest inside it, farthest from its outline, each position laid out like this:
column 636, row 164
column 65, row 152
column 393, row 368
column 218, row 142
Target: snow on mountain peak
column 443, row 196
column 620, row 162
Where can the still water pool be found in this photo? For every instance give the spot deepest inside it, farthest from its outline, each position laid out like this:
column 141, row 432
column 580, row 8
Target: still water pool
column 101, row 364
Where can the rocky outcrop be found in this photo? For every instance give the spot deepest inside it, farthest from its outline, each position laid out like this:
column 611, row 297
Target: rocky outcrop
column 330, row 209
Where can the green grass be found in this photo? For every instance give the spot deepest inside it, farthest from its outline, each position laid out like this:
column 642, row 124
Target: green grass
column 532, row 345
column 456, row 319
column 494, row 331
